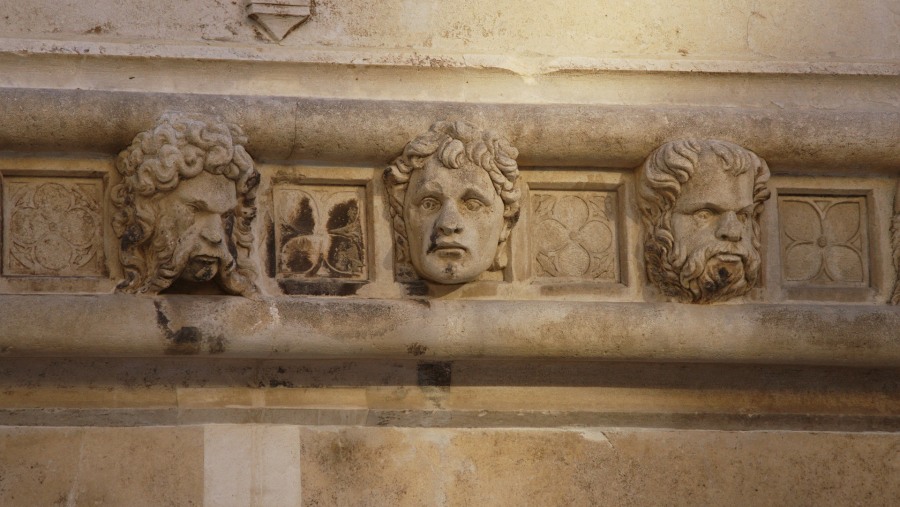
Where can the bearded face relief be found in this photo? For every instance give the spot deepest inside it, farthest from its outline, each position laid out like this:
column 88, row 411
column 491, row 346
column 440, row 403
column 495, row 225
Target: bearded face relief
column 454, row 200
column 700, row 202
column 186, row 205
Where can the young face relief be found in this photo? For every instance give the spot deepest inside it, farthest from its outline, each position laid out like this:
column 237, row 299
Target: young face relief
column 454, row 219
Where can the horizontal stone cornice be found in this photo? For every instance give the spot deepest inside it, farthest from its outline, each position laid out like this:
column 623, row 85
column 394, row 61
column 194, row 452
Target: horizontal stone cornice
column 374, row 131
column 312, row 328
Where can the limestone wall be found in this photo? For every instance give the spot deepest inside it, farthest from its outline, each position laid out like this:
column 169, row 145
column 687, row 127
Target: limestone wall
column 337, row 371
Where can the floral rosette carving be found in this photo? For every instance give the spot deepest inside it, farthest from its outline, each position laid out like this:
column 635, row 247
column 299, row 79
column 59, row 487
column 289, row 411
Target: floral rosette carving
column 574, row 236
column 54, row 229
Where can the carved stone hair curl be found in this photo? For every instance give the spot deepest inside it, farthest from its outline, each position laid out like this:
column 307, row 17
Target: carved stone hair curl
column 661, row 178
column 451, row 142
column 179, row 147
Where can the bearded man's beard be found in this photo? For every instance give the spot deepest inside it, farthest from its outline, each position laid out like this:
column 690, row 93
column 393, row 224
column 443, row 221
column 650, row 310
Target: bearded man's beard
column 171, row 262
column 716, row 271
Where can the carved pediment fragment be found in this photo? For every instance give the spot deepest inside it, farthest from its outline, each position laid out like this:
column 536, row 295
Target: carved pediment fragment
column 279, row 17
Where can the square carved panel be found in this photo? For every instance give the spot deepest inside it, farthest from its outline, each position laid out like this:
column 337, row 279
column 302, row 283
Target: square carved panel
column 53, row 227
column 824, row 240
column 574, row 235
column 320, row 232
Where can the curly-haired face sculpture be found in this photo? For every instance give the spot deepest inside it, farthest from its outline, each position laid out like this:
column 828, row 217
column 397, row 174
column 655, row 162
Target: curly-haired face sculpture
column 454, row 200
column 185, row 207
column 701, row 202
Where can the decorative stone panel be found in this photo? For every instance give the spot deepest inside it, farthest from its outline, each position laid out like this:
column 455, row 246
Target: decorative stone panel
column 320, row 233
column 574, row 235
column 824, row 240
column 828, row 238
column 54, row 227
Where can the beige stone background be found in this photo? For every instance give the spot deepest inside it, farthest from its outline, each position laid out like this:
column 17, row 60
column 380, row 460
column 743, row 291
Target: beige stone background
column 590, row 396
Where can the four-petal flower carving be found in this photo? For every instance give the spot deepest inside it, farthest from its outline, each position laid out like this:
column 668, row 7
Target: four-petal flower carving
column 574, row 236
column 322, row 236
column 823, row 240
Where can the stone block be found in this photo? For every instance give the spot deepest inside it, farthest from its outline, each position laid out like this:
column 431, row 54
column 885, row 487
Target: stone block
column 594, row 467
column 251, row 465
column 101, row 466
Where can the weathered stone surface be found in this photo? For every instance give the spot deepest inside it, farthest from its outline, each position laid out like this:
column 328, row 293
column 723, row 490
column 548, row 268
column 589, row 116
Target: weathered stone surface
column 766, row 30
column 367, row 131
column 102, row 466
column 347, row 328
column 251, row 465
column 596, row 467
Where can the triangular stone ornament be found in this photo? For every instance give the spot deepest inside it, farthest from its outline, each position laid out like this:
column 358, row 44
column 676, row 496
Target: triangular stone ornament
column 279, row 17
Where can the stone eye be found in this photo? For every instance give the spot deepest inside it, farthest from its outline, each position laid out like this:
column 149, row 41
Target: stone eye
column 474, row 204
column 703, row 214
column 429, row 204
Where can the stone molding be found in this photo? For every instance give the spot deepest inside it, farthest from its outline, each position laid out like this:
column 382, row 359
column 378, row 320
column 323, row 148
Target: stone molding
column 319, row 328
column 374, row 131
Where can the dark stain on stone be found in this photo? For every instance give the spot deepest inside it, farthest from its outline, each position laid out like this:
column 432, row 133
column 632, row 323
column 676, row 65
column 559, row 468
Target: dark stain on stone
column 320, row 288
column 297, row 256
column 416, row 349
column 270, row 250
column 217, row 345
column 187, row 335
column 133, row 235
column 302, row 223
column 228, row 224
column 342, row 215
column 345, row 256
column 280, row 383
column 289, row 178
column 161, row 320
column 185, row 341
column 723, row 275
column 416, row 288
column 434, row 374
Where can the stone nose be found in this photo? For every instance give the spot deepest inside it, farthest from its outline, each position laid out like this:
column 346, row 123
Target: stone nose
column 449, row 220
column 211, row 229
column 729, row 228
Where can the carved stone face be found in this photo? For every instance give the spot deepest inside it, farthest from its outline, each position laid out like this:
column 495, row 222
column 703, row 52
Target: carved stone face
column 198, row 214
column 712, row 225
column 454, row 219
